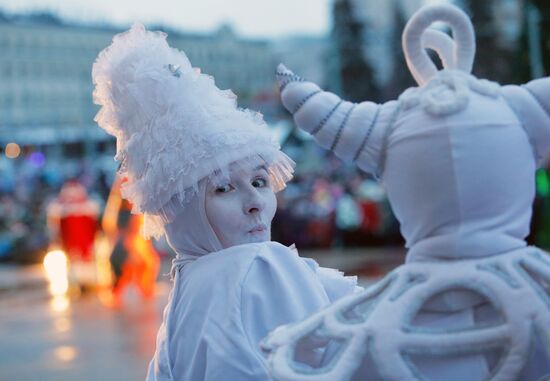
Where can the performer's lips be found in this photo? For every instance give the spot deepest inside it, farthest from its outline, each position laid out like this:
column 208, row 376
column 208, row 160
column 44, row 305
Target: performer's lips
column 260, row 228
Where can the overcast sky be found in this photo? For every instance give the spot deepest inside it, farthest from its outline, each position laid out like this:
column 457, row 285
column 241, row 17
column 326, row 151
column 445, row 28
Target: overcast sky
column 251, row 18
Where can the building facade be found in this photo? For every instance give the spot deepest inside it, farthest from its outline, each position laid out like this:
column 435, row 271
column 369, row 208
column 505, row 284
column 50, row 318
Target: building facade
column 46, row 86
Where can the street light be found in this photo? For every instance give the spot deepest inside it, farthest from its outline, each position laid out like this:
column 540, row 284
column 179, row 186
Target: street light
column 12, row 150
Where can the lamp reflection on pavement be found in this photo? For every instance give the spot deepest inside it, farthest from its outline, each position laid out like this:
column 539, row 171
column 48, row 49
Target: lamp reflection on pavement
column 62, row 324
column 56, row 267
column 65, row 353
column 59, row 303
column 55, row 264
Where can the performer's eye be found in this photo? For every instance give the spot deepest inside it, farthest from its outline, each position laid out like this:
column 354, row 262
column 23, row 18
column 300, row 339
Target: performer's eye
column 224, row 188
column 259, row 182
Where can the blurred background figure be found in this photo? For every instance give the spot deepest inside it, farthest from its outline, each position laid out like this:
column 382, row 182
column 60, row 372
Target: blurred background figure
column 133, row 259
column 73, row 221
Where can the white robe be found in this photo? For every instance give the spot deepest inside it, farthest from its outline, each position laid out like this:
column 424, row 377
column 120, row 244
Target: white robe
column 224, row 303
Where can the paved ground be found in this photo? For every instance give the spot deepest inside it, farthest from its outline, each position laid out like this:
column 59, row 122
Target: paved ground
column 47, row 339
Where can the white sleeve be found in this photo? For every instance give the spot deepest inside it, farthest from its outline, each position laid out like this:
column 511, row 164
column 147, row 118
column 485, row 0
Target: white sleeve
column 279, row 288
column 336, row 284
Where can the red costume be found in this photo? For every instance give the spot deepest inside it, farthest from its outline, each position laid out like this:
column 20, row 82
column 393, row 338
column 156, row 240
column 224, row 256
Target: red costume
column 73, row 219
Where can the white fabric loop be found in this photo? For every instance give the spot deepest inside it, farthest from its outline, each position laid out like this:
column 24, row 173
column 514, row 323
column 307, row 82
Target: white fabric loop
column 442, row 44
column 418, row 61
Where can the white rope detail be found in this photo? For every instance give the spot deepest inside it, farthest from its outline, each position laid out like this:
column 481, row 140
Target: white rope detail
column 513, row 283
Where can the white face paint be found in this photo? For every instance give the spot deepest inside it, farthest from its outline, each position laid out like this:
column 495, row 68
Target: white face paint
column 240, row 208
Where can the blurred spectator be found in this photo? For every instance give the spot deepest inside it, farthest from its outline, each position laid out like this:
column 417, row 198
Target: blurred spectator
column 73, row 219
column 133, row 259
column 27, row 187
column 333, row 205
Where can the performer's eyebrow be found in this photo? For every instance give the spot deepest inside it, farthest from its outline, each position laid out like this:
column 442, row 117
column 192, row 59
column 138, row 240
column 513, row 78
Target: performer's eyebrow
column 261, row 166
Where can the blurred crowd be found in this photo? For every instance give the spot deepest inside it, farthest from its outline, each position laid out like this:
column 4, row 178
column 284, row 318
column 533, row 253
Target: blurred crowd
column 329, row 204
column 334, row 206
column 335, row 209
column 26, row 190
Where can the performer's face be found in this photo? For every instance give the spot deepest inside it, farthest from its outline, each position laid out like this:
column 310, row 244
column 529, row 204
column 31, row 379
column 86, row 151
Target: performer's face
column 240, row 206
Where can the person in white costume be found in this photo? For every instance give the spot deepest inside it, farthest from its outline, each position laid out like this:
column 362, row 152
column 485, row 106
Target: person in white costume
column 457, row 156
column 204, row 173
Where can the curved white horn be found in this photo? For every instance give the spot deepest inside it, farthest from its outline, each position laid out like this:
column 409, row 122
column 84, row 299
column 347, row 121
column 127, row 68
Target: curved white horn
column 418, row 61
column 352, row 131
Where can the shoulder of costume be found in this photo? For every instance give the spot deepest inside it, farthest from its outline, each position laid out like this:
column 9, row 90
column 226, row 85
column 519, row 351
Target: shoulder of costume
column 242, row 256
column 275, row 252
column 230, row 266
column 253, row 250
column 277, row 258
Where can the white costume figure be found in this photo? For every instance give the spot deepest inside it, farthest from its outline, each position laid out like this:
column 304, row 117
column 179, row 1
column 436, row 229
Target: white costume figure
column 204, row 173
column 457, row 156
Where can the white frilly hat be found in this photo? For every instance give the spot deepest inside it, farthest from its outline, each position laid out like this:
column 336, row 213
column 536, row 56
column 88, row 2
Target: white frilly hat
column 173, row 126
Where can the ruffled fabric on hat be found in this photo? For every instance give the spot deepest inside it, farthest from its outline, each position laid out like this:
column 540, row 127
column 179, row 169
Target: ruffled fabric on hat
column 173, row 125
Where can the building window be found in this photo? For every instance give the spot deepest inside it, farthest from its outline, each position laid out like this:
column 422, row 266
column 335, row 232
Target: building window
column 73, row 150
column 106, row 146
